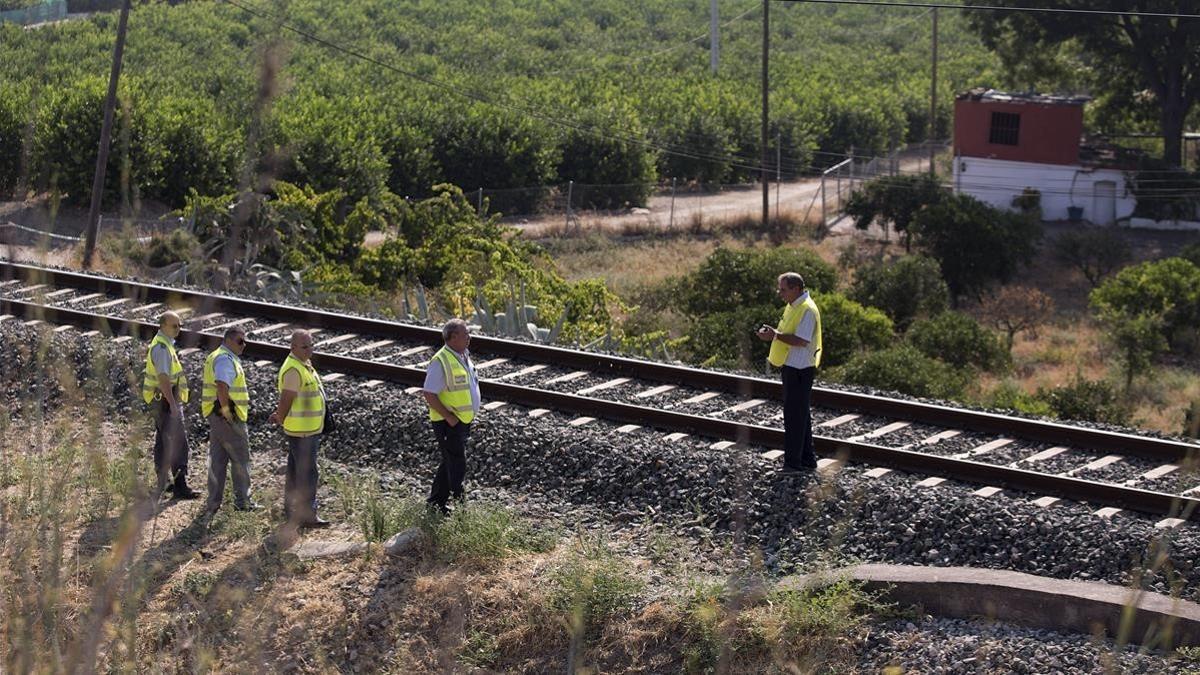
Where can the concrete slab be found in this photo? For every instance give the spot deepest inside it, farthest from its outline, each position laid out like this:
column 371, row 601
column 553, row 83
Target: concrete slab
column 655, row 391
column 722, row 445
column 837, row 421
column 772, row 454
column 626, row 428
column 566, row 378
column 494, row 405
column 1046, row 502
column 1106, row 512
column 602, row 386
column 701, row 398
column 580, row 421
column 1045, row 454
column 1082, row 607
column 932, row 481
column 877, row 472
column 538, row 412
column 678, row 435
column 311, row 550
column 521, row 372
column 989, row 491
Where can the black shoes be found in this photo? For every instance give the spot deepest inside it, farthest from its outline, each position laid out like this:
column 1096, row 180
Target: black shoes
column 252, row 506
column 316, row 523
column 185, row 492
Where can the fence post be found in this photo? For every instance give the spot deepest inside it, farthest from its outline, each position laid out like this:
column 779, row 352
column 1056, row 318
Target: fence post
column 778, row 170
column 671, row 223
column 570, row 189
column 823, row 199
column 479, row 203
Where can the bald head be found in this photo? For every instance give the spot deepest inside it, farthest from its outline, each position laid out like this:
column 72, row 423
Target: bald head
column 302, row 344
column 169, row 324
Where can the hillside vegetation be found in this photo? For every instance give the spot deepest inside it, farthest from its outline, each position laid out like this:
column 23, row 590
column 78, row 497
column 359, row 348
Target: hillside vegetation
column 500, row 95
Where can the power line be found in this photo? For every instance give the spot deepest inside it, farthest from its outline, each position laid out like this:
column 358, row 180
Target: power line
column 1000, row 8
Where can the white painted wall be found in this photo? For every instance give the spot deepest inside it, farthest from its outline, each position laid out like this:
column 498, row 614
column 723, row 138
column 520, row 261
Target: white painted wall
column 997, row 181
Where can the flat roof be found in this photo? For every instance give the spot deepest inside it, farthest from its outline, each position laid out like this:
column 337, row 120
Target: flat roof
column 993, row 96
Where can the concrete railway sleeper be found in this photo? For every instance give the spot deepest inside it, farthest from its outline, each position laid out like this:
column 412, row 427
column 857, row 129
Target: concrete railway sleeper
column 1173, row 509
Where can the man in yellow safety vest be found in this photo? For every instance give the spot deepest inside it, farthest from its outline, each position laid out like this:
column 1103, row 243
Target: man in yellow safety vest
column 796, row 351
column 165, row 390
column 225, row 403
column 301, row 411
column 452, row 391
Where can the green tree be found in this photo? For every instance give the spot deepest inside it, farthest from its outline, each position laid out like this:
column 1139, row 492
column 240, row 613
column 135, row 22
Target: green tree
column 975, row 244
column 895, row 199
column 1169, row 288
column 1137, row 339
column 1120, row 51
column 904, row 289
column 1013, row 309
column 960, row 341
column 12, row 134
column 730, row 279
column 617, row 172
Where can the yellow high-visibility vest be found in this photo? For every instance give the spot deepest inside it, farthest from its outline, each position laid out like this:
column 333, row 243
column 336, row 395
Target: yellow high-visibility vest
column 457, row 394
column 307, row 414
column 239, row 395
column 150, row 390
column 792, row 314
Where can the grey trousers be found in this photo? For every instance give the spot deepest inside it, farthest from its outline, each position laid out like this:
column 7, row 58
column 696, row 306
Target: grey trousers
column 300, row 481
column 228, row 445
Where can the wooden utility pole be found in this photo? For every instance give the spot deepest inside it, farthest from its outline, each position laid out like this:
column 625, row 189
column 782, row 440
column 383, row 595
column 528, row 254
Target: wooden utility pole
column 110, row 103
column 933, row 97
column 766, row 172
column 714, row 38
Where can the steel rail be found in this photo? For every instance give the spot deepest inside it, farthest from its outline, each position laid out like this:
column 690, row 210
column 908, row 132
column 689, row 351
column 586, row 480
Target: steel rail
column 1075, row 489
column 1041, row 431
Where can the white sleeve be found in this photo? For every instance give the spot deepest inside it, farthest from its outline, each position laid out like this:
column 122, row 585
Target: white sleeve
column 435, row 378
column 804, row 329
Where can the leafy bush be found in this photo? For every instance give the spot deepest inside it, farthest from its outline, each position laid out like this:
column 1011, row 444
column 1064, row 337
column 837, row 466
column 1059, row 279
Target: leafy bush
column 1136, row 340
column 1010, row 396
column 1168, row 287
column 731, row 279
column 618, row 172
column 975, row 244
column 12, row 133
column 960, row 341
column 1087, row 400
column 903, row 369
column 733, row 292
column 479, row 147
column 1096, row 253
column 1164, row 192
column 1191, row 252
column 848, row 328
column 904, row 289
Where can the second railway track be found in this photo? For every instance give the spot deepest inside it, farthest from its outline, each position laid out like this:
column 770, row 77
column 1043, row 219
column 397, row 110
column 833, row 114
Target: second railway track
column 1139, row 473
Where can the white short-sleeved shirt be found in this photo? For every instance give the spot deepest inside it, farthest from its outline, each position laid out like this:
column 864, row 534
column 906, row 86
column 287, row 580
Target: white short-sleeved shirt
column 435, row 378
column 802, row 357
column 223, row 369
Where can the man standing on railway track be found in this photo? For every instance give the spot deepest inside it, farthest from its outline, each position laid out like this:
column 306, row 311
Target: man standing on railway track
column 225, row 402
column 796, row 351
column 452, row 392
column 165, row 389
column 301, row 411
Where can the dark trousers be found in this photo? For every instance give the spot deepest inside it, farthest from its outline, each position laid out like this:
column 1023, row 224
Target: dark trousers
column 448, row 481
column 170, row 448
column 300, row 482
column 797, row 418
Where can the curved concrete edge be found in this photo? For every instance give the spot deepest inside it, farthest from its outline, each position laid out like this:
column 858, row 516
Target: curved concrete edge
column 1091, row 608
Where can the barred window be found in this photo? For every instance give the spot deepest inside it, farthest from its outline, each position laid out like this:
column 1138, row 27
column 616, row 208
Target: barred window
column 1006, row 128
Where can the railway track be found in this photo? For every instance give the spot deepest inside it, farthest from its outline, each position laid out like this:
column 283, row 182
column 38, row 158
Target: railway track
column 1050, row 461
